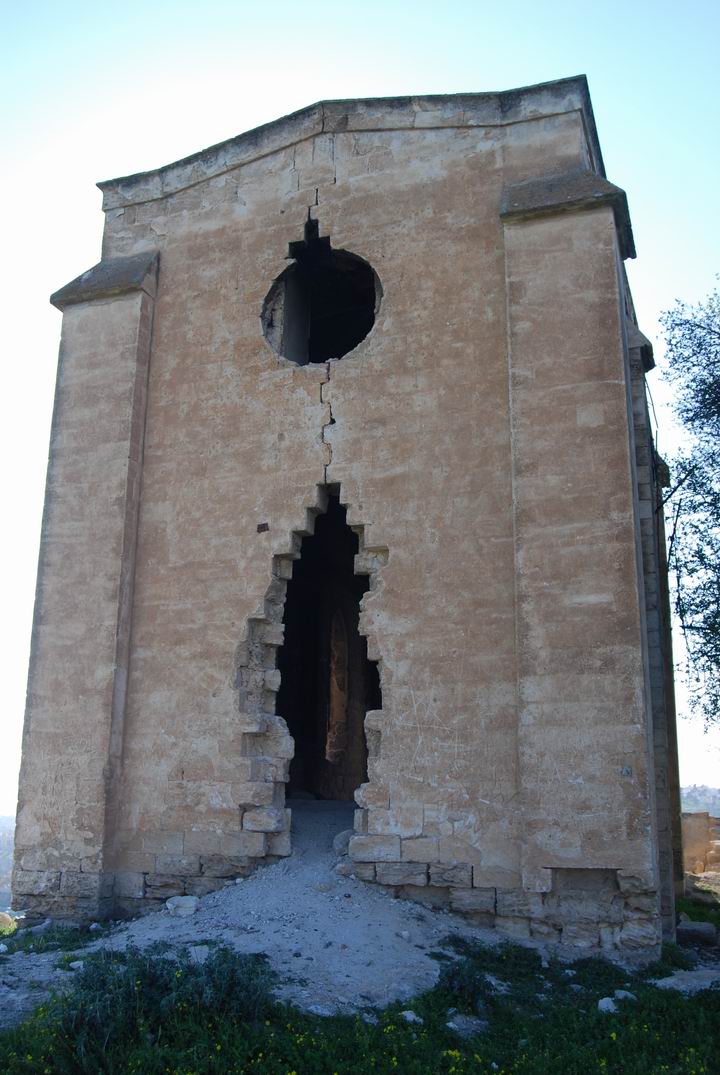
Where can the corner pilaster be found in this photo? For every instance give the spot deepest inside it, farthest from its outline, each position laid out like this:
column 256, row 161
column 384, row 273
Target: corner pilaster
column 83, row 607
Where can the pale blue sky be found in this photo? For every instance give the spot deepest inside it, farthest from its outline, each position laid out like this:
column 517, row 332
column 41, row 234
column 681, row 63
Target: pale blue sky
column 94, row 90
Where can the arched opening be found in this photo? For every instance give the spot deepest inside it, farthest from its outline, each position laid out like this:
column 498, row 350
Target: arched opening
column 323, row 305
column 327, row 681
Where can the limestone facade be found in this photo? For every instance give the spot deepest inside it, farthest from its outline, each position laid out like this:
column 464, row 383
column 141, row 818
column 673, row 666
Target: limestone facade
column 487, row 444
column 700, row 842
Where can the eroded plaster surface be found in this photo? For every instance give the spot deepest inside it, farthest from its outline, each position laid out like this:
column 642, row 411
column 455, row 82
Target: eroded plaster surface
column 481, row 440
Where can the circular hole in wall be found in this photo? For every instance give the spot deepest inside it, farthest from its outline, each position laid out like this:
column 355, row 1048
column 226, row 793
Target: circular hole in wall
column 323, row 305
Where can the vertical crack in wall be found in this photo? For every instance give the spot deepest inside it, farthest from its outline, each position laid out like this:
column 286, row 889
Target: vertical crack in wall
column 327, row 444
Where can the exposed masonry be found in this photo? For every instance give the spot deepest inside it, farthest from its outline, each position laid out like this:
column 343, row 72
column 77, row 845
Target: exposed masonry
column 266, row 748
column 525, row 599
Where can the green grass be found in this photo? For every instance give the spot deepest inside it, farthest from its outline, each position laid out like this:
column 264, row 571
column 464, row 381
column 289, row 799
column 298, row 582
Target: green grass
column 152, row 1015
column 54, row 939
column 707, row 910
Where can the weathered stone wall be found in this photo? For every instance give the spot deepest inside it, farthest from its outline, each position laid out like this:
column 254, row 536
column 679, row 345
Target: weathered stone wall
column 480, row 439
column 701, row 842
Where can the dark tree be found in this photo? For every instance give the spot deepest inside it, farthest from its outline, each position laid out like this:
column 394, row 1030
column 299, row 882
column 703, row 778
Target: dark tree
column 693, row 503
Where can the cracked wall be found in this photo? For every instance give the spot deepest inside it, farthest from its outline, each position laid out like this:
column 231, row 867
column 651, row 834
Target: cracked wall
column 480, row 441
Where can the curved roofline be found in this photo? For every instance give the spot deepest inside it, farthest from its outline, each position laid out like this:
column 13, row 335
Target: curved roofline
column 365, row 113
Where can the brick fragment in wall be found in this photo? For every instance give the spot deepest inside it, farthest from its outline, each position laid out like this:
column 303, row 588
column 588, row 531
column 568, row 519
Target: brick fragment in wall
column 420, row 849
column 363, row 871
column 279, row 843
column 609, row 937
column 224, row 866
column 473, row 899
column 452, row 849
column 581, row 934
column 431, row 896
column 160, row 885
column 76, row 883
column 510, row 926
column 368, row 796
column 543, row 931
column 640, row 934
column 404, row 821
column 374, row 848
column 39, row 859
column 253, row 723
column 264, row 819
column 252, row 844
column 201, row 843
column 520, row 904
column 632, row 885
column 459, row 876
column 401, row 873
column 128, row 884
column 360, row 821
column 183, row 865
column 35, row 882
column 169, row 843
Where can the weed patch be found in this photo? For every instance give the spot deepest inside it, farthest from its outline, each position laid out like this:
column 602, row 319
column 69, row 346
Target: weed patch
column 156, row 1013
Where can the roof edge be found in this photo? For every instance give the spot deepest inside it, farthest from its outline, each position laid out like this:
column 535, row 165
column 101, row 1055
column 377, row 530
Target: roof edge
column 365, row 113
column 110, row 278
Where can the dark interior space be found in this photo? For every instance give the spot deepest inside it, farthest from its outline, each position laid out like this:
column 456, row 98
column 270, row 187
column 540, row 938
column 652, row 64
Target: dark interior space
column 323, row 305
column 328, row 683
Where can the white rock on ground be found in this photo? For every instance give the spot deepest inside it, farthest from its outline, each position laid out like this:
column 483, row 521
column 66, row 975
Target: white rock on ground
column 182, row 906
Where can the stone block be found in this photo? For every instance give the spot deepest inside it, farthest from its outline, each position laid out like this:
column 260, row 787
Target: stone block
column 360, row 821
column 374, row 848
column 252, row 844
column 453, row 849
column 517, row 903
column 429, row 896
column 640, row 934
column 201, row 886
column 372, row 795
column 279, row 843
column 254, row 793
column 405, row 821
column 420, row 849
column 272, row 680
column 182, row 865
column 581, row 935
column 222, row 866
column 510, row 926
column 632, row 884
column 36, row 882
column 201, row 842
column 363, row 871
column 264, row 819
column 84, row 885
column 543, row 931
column 473, row 899
column 129, row 885
column 401, row 873
column 459, row 876
column 162, row 843
column 161, row 885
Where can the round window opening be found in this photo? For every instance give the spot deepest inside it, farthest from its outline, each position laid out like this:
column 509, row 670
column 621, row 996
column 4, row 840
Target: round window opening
column 323, row 305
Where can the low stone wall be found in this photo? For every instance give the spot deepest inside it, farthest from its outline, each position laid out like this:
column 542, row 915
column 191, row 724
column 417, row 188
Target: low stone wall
column 701, row 842
column 590, row 909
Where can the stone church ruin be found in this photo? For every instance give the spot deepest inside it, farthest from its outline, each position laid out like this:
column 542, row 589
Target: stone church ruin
column 352, row 495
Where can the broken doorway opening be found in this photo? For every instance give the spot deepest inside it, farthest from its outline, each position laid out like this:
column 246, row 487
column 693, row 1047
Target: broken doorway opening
column 327, row 681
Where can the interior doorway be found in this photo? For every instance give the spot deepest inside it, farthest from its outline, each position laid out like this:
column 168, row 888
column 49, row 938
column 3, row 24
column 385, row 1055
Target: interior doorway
column 327, row 683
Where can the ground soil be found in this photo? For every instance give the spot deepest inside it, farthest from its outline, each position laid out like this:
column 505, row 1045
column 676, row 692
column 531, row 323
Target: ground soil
column 338, row 944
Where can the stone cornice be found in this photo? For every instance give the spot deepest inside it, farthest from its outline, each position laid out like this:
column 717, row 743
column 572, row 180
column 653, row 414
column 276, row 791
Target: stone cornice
column 569, row 192
column 109, row 278
column 365, row 114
